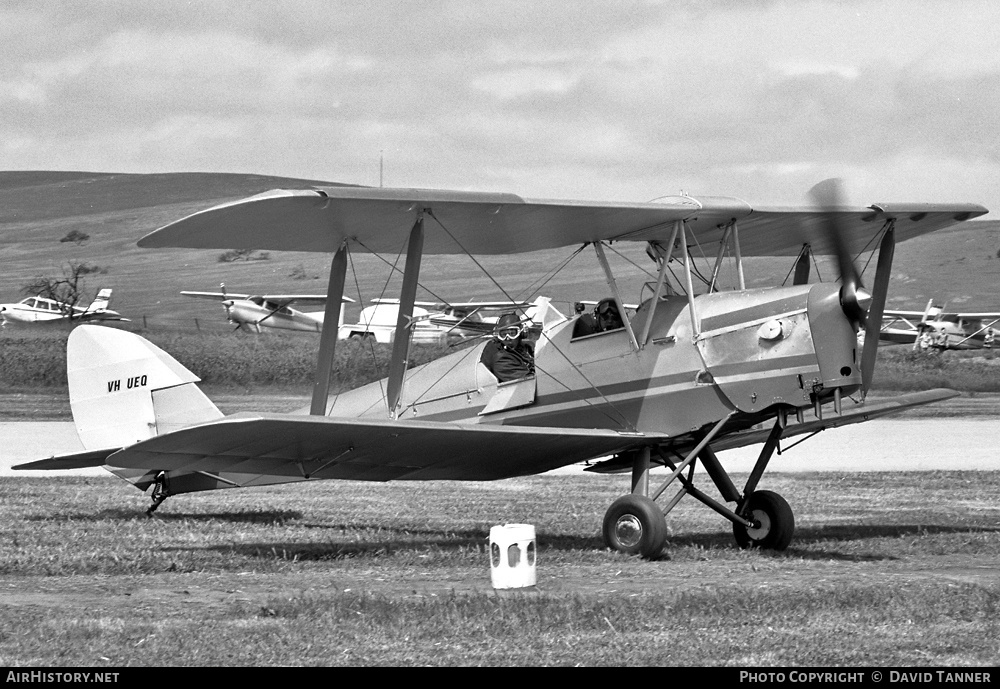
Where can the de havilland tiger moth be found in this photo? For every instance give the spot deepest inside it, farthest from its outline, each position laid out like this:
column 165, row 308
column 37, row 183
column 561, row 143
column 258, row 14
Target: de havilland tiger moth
column 685, row 375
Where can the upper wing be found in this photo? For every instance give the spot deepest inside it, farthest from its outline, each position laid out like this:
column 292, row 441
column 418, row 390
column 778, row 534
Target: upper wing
column 491, row 223
column 259, row 449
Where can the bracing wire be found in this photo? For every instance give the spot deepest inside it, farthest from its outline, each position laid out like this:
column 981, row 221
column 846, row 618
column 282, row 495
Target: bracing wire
column 624, row 419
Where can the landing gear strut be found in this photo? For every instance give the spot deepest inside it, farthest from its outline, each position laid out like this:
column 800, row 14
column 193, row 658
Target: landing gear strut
column 635, row 524
column 161, row 491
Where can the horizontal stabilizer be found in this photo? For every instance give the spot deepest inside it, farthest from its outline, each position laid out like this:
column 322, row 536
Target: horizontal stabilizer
column 78, row 460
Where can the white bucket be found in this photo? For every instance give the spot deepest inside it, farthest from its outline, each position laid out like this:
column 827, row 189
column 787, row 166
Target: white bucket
column 512, row 556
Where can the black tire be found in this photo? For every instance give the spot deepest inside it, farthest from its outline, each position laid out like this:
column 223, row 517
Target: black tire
column 635, row 525
column 775, row 519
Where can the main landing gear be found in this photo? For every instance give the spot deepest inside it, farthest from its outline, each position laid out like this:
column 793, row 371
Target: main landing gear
column 161, row 491
column 636, row 525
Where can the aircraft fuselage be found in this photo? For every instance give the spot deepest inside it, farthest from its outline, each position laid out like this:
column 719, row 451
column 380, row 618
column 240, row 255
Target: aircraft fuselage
column 753, row 350
column 246, row 312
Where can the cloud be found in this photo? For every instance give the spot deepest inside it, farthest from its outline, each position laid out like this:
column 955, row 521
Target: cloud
column 608, row 99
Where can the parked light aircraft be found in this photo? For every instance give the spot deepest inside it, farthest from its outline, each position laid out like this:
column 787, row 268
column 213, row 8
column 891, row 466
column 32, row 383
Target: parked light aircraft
column 687, row 375
column 379, row 322
column 461, row 320
column 256, row 311
column 440, row 322
column 939, row 329
column 40, row 309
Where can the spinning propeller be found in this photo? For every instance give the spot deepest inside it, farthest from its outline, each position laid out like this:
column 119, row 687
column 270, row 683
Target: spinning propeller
column 862, row 307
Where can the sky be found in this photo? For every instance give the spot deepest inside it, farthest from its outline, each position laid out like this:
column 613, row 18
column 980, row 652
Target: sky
column 623, row 100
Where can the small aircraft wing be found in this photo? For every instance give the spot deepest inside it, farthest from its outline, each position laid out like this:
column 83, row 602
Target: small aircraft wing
column 217, row 295
column 269, row 448
column 977, row 316
column 283, row 299
column 380, row 219
column 466, row 326
column 890, row 313
column 480, row 305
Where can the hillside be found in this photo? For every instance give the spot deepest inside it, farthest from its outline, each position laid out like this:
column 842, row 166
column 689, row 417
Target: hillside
column 37, row 209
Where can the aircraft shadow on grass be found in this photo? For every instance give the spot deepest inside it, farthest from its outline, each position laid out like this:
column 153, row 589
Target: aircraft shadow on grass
column 809, row 538
column 126, row 514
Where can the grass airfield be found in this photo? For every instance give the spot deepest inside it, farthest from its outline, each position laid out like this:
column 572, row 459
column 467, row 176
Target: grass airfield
column 894, row 569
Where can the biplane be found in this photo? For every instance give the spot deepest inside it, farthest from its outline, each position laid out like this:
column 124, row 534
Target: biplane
column 689, row 373
column 935, row 328
column 39, row 309
column 256, row 311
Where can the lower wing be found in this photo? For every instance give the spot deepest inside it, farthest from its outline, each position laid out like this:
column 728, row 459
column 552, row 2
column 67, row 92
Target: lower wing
column 245, row 450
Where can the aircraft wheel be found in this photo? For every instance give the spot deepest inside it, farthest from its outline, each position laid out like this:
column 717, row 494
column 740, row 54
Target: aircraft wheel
column 635, row 525
column 775, row 520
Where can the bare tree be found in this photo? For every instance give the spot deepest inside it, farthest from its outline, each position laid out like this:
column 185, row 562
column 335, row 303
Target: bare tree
column 67, row 290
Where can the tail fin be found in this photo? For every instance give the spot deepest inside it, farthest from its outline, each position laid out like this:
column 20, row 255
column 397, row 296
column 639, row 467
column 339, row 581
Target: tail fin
column 542, row 311
column 123, row 389
column 101, row 301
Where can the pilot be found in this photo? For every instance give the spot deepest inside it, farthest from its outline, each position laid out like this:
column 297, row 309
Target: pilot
column 606, row 313
column 605, row 317
column 508, row 356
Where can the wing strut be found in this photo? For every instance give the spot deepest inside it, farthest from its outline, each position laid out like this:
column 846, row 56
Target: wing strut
column 328, row 337
column 738, row 255
column 880, row 290
column 407, row 296
column 802, row 266
column 599, row 248
column 664, row 257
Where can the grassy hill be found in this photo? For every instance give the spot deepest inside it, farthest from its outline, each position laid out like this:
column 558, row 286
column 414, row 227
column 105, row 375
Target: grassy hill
column 959, row 266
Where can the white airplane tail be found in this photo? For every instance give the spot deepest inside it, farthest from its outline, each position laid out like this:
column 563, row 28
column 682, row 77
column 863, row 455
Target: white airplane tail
column 542, row 311
column 123, row 389
column 101, row 301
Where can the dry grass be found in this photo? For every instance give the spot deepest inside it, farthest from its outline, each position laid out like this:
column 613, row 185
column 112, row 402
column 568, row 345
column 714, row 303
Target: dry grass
column 886, row 569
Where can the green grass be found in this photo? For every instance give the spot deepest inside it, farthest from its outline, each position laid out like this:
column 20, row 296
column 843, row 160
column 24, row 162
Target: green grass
column 894, row 569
